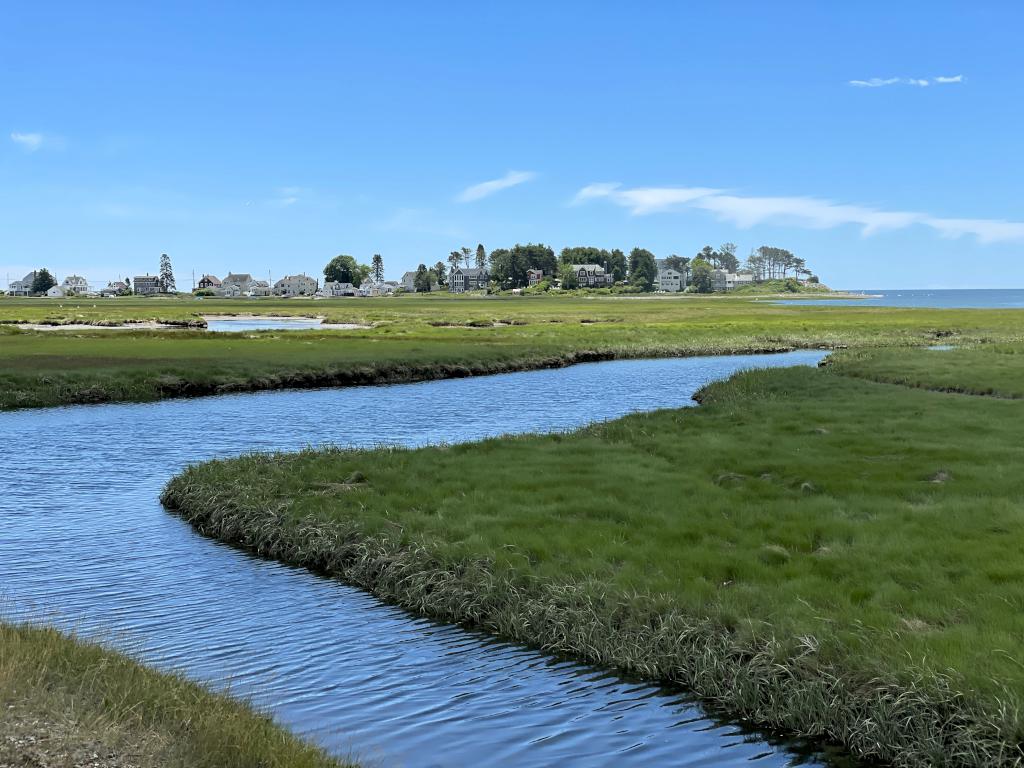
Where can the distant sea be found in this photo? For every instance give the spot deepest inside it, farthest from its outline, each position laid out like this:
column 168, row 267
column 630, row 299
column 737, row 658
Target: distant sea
column 966, row 298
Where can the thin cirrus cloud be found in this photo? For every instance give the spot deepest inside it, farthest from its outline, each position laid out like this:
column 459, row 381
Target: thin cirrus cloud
column 487, row 188
column 30, row 142
column 746, row 211
column 920, row 82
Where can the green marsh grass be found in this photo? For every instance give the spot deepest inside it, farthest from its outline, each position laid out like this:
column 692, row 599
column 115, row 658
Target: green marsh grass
column 414, row 338
column 63, row 696
column 813, row 551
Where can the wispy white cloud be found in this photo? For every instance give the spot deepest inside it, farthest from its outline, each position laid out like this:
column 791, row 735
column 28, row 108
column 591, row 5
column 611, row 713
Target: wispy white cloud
column 30, row 142
column 287, row 197
column 486, row 188
column 808, row 212
column 642, row 200
column 920, row 82
column 985, row 230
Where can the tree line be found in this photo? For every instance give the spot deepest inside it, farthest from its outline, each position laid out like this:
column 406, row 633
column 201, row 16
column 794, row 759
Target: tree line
column 510, row 267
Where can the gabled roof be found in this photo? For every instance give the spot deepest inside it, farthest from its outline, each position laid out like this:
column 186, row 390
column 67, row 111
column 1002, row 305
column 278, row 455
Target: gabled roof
column 212, row 279
column 241, row 277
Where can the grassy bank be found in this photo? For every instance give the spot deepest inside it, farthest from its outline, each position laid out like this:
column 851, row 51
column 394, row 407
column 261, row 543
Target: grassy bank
column 417, row 338
column 991, row 369
column 824, row 553
column 69, row 703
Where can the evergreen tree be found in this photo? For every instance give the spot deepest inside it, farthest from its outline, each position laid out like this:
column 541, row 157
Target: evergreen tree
column 422, row 281
column 43, row 281
column 727, row 257
column 643, row 269
column 166, row 275
column 378, row 268
column 481, row 256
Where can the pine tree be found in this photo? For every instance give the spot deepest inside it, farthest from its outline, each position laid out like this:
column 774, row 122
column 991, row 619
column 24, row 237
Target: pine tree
column 166, row 275
column 378, row 268
column 481, row 256
column 43, row 281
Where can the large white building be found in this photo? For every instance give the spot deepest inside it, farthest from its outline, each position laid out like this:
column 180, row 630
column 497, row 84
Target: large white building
column 295, row 285
column 75, row 284
column 671, row 280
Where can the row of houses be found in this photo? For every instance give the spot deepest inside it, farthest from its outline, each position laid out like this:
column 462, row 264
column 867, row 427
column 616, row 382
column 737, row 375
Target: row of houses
column 243, row 284
column 73, row 285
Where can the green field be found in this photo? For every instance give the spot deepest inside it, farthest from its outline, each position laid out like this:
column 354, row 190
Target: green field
column 71, row 703
column 421, row 337
column 811, row 549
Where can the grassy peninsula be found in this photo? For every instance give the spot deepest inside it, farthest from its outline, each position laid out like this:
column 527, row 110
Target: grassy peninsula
column 422, row 337
column 70, row 703
column 819, row 550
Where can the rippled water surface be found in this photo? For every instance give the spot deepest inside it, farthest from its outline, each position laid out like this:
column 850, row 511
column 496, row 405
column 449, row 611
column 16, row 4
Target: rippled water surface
column 85, row 544
column 233, row 324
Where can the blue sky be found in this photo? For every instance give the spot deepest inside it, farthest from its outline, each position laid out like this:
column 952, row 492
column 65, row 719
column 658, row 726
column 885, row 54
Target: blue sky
column 878, row 141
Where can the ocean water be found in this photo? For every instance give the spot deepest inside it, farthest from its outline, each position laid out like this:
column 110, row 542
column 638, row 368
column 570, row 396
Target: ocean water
column 952, row 298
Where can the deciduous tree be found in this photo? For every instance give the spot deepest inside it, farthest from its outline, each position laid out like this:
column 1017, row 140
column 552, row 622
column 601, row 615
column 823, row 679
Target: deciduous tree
column 700, row 275
column 342, row 269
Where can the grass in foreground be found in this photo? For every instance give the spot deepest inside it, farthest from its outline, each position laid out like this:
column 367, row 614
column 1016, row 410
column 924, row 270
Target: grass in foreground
column 828, row 554
column 433, row 337
column 67, row 703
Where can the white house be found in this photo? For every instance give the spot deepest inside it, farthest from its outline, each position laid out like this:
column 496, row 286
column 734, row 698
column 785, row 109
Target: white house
column 295, row 285
column 22, row 287
column 671, row 280
column 75, row 284
column 258, row 288
column 335, row 288
column 462, row 279
column 383, row 288
column 727, row 281
column 56, row 292
column 409, row 282
column 236, row 284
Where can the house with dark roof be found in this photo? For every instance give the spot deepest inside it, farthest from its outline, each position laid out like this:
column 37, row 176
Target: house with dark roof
column 462, row 279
